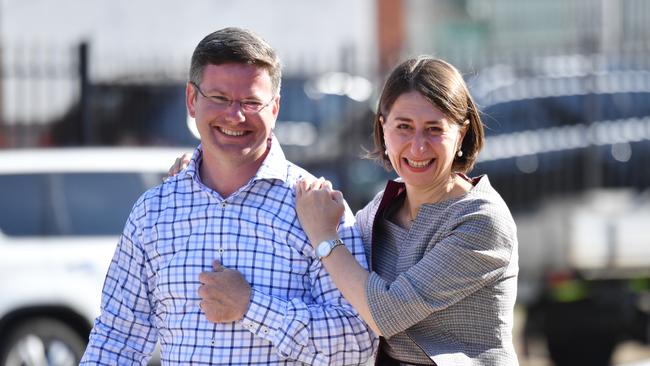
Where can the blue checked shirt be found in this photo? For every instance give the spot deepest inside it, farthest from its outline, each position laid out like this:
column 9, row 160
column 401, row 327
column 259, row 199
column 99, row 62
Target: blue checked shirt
column 176, row 230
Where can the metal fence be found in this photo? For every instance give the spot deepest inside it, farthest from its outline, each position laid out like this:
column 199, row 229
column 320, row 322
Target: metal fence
column 555, row 123
column 40, row 83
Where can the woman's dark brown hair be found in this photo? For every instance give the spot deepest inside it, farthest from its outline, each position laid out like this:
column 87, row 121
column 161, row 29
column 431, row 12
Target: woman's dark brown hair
column 441, row 84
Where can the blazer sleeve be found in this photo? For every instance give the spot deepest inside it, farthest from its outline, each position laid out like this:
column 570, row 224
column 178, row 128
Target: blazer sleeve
column 475, row 253
column 364, row 219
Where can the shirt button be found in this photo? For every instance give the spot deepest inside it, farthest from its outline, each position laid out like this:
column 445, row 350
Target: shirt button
column 213, row 342
column 223, row 204
column 265, row 330
column 221, row 250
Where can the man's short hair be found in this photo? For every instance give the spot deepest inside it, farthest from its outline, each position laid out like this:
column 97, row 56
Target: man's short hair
column 235, row 45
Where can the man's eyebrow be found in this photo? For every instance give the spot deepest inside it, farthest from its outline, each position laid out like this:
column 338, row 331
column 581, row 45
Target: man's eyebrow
column 213, row 91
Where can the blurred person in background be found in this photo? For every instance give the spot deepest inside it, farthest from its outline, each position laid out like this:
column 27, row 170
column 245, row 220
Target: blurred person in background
column 442, row 247
column 213, row 263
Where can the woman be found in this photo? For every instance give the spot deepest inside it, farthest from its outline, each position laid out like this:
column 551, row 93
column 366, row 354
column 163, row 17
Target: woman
column 442, row 247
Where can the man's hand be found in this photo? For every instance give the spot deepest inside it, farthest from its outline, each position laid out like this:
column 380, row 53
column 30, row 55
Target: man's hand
column 225, row 294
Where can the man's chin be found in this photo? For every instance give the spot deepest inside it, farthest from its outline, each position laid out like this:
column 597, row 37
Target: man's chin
column 235, row 154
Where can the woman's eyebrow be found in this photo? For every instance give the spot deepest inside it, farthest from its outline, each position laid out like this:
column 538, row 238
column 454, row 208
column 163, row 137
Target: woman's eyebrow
column 428, row 123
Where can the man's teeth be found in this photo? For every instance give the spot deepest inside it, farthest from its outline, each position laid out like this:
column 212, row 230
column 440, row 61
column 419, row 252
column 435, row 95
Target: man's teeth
column 418, row 164
column 231, row 132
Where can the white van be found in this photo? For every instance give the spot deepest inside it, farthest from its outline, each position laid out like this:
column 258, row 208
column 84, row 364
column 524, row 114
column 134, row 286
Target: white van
column 61, row 212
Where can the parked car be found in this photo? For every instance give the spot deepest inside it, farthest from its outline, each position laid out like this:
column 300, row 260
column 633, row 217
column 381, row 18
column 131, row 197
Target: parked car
column 62, row 212
column 569, row 154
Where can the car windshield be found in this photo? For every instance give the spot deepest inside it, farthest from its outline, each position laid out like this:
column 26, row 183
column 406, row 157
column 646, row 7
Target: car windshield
column 69, row 203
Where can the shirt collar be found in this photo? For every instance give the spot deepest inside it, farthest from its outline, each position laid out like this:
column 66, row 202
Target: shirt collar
column 395, row 188
column 274, row 165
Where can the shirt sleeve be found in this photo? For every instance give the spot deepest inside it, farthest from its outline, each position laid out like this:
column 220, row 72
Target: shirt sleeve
column 123, row 333
column 327, row 331
column 475, row 253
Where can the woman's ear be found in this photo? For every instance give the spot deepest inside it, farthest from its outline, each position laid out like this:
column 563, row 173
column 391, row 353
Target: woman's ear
column 463, row 129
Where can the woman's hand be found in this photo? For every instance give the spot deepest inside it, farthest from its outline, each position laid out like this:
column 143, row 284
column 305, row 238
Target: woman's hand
column 181, row 163
column 319, row 209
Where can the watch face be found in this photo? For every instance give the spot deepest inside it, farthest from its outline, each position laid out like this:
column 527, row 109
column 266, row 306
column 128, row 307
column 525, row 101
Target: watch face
column 323, row 249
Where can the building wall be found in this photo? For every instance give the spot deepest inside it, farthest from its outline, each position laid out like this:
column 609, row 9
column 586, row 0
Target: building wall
column 151, row 41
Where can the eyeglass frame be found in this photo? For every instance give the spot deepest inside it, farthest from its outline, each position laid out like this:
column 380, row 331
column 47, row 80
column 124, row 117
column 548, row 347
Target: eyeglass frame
column 226, row 102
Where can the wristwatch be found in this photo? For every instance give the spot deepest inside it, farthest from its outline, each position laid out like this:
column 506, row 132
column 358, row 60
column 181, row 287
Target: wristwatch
column 324, row 248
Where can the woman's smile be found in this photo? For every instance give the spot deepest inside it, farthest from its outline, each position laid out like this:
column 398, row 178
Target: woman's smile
column 418, row 164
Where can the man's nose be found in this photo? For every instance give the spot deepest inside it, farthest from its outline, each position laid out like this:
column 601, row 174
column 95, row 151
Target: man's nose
column 234, row 112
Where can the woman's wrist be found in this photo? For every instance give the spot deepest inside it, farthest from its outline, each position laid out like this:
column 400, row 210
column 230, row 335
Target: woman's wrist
column 318, row 238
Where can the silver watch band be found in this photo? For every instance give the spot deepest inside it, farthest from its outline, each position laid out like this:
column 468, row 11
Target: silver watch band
column 325, row 248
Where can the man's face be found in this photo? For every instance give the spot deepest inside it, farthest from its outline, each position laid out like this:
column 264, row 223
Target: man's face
column 225, row 106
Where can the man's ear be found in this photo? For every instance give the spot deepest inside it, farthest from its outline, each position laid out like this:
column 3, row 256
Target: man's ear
column 190, row 99
column 275, row 106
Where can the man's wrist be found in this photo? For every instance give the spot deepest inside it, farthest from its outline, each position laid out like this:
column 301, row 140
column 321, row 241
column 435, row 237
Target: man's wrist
column 264, row 315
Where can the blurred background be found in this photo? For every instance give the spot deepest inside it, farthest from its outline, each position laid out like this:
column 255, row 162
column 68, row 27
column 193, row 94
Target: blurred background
column 92, row 113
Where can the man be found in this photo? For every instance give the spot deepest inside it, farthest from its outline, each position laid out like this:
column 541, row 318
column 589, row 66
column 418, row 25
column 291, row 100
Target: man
column 213, row 262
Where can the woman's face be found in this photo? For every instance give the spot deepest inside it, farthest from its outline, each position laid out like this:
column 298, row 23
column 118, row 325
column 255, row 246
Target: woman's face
column 421, row 141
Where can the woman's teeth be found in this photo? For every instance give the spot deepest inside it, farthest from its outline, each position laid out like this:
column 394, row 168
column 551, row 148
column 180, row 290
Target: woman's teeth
column 418, row 164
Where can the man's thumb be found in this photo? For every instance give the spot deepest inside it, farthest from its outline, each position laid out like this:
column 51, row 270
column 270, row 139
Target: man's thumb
column 217, row 266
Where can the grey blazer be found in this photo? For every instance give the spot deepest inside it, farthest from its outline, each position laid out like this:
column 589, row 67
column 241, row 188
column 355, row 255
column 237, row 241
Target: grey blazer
column 457, row 283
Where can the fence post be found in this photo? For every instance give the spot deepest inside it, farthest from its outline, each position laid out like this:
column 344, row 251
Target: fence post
column 85, row 123
column 3, row 127
column 3, row 132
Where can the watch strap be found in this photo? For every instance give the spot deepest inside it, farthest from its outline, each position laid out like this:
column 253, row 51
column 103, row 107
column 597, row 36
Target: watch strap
column 331, row 245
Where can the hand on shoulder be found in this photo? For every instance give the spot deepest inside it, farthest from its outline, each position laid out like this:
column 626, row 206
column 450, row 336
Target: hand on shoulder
column 181, row 163
column 319, row 208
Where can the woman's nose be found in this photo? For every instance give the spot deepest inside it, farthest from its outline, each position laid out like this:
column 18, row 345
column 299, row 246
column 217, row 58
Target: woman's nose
column 419, row 145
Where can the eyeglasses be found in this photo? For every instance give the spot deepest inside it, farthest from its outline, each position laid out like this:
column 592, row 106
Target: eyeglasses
column 221, row 102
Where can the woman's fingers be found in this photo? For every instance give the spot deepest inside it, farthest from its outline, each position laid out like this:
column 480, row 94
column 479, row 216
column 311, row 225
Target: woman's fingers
column 337, row 197
column 316, row 183
column 305, row 183
column 311, row 184
column 174, row 169
column 179, row 164
column 327, row 185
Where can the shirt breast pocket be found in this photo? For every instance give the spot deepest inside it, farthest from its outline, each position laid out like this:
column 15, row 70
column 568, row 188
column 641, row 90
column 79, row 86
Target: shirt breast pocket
column 275, row 262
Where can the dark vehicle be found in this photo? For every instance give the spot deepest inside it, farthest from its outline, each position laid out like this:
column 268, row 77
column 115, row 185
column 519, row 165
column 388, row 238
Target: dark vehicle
column 571, row 157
